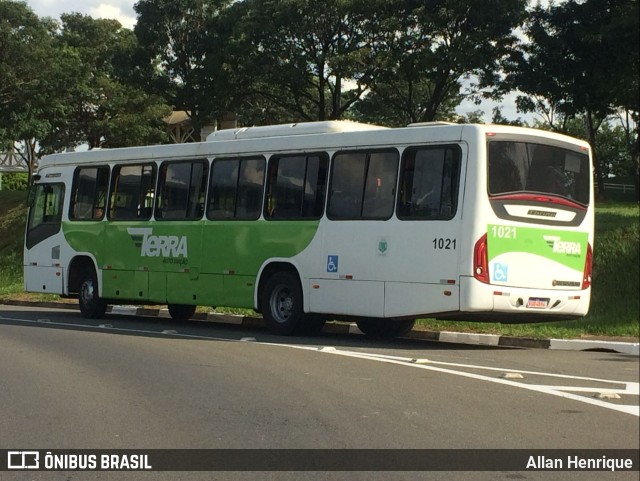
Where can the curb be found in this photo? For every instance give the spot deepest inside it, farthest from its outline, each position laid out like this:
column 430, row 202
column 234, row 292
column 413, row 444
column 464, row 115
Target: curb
column 632, row 348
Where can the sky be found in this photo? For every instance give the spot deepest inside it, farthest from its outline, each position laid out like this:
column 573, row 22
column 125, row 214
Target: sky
column 122, row 10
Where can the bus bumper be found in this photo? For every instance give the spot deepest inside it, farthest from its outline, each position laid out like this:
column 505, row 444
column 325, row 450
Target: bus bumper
column 515, row 304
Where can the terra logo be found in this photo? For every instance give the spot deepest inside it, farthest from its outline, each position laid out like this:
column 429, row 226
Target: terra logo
column 158, row 245
column 562, row 247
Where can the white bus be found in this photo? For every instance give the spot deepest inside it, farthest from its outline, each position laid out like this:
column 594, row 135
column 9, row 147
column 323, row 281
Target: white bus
column 325, row 220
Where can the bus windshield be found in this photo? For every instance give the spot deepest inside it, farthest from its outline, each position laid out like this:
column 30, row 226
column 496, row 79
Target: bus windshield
column 525, row 167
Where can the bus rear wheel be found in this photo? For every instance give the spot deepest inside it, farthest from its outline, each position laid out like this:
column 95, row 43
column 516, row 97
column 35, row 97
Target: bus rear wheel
column 91, row 306
column 312, row 324
column 181, row 312
column 386, row 328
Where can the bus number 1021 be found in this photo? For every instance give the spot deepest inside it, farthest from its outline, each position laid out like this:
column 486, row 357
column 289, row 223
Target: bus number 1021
column 445, row 244
column 503, row 232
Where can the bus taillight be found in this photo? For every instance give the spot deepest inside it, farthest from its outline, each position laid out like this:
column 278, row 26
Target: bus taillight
column 481, row 260
column 588, row 268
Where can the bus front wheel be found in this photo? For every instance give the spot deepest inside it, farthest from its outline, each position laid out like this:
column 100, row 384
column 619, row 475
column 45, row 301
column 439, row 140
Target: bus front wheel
column 385, row 327
column 91, row 306
column 281, row 303
column 181, row 312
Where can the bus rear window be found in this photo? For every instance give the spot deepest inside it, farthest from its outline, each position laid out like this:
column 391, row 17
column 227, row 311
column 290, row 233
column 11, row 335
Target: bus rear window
column 523, row 167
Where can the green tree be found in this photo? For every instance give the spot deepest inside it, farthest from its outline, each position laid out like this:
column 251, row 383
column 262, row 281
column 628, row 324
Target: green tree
column 28, row 80
column 582, row 60
column 428, row 50
column 399, row 103
column 24, row 55
column 313, row 59
column 188, row 41
column 103, row 105
column 473, row 117
column 498, row 118
column 630, row 125
column 610, row 145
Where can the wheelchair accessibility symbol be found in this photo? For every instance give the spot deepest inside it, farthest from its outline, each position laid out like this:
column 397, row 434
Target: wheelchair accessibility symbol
column 332, row 264
column 500, row 272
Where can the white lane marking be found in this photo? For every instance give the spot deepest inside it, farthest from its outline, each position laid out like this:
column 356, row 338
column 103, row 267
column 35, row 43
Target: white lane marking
column 587, row 389
column 109, row 327
column 628, row 409
column 501, row 369
column 411, row 362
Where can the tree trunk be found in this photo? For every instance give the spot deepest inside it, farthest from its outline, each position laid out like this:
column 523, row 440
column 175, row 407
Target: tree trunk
column 29, row 157
column 591, row 133
column 337, row 98
column 635, row 159
column 322, row 112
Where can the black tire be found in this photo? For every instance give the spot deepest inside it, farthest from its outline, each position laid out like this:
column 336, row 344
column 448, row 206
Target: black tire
column 281, row 304
column 311, row 325
column 91, row 305
column 385, row 328
column 181, row 312
column 404, row 327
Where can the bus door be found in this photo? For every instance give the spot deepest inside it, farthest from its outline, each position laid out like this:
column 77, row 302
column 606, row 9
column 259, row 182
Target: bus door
column 43, row 271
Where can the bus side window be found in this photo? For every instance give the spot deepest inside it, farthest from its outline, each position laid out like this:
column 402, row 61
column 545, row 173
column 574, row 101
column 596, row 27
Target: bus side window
column 222, row 195
column 296, row 186
column 181, row 190
column 89, row 193
column 363, row 185
column 315, row 186
column 132, row 192
column 429, row 180
column 347, row 182
column 249, row 192
column 380, row 186
column 235, row 189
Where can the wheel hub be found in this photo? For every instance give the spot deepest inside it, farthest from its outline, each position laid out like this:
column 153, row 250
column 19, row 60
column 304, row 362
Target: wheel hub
column 282, row 304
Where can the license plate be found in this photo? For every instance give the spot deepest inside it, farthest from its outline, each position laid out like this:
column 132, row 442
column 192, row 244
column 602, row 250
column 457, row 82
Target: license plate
column 537, row 303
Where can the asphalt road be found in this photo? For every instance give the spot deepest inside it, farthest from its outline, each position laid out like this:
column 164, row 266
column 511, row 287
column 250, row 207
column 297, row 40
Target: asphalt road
column 147, row 383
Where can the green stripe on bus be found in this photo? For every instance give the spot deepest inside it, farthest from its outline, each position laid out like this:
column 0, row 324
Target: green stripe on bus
column 568, row 248
column 211, row 247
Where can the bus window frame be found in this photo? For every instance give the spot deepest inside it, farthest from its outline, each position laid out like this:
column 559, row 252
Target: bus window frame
column 161, row 182
column 324, row 161
column 74, row 186
column 209, row 192
column 47, row 228
column 519, row 195
column 455, row 199
column 368, row 152
column 115, row 180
